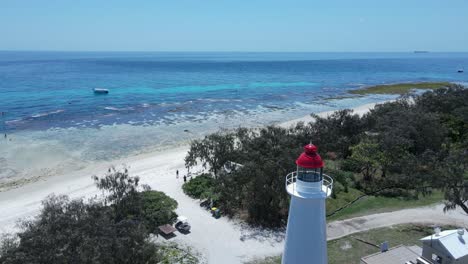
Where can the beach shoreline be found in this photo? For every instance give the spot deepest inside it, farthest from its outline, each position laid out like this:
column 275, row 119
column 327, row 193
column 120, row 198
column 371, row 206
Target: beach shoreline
column 156, row 169
column 27, row 157
column 359, row 110
column 73, row 181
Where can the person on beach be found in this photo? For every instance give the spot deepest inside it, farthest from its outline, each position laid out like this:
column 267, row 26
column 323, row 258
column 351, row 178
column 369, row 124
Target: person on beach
column 5, row 135
column 185, row 178
column 177, row 174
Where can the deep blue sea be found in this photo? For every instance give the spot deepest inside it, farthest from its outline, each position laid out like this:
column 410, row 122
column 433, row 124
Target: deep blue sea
column 53, row 117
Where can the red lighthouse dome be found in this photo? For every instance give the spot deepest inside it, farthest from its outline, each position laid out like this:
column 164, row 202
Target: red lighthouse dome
column 310, row 159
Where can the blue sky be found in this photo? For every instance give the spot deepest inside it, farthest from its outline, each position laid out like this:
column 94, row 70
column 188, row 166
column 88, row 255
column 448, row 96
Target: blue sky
column 241, row 25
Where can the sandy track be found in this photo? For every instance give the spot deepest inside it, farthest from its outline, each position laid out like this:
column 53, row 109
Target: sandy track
column 432, row 215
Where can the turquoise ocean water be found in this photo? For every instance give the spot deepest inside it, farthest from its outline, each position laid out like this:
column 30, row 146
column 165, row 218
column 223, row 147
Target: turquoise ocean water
column 54, row 120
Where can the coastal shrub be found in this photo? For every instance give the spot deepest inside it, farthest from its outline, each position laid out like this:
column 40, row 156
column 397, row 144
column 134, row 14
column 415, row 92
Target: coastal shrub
column 345, row 178
column 398, row 193
column 8, row 243
column 72, row 231
column 110, row 230
column 350, row 165
column 122, row 192
column 199, row 187
column 153, row 208
column 337, row 188
column 157, row 209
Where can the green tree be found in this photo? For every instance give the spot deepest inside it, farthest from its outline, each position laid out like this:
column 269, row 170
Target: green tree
column 202, row 187
column 120, row 191
column 213, row 151
column 78, row 232
column 367, row 157
column 451, row 104
column 335, row 133
column 401, row 125
column 452, row 176
column 157, row 209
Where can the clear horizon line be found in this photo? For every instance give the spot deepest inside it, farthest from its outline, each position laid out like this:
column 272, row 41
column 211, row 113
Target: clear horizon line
column 226, row 51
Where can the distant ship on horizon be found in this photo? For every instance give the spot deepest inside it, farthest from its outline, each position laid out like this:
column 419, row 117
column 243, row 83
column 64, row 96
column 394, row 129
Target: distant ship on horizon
column 421, row 51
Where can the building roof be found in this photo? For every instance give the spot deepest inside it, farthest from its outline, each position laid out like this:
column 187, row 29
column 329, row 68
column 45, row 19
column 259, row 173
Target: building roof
column 455, row 244
column 167, row 229
column 398, row 254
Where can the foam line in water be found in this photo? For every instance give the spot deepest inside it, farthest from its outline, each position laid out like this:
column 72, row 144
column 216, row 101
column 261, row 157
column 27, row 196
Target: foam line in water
column 119, row 109
column 47, row 113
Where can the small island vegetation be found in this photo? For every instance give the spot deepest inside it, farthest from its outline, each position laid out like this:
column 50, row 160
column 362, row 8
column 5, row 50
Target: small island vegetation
column 409, row 152
column 400, row 88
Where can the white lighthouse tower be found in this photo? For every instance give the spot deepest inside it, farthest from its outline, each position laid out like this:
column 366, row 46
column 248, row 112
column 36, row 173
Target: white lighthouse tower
column 306, row 236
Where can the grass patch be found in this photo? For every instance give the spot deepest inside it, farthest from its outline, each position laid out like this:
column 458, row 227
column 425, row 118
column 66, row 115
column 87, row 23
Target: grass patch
column 349, row 250
column 376, row 204
column 399, row 88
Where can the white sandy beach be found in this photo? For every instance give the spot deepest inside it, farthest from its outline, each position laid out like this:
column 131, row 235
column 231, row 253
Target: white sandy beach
column 218, row 240
column 360, row 110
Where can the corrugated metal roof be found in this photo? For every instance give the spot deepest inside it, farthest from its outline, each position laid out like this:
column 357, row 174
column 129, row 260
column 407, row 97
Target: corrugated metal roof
column 398, row 254
column 456, row 245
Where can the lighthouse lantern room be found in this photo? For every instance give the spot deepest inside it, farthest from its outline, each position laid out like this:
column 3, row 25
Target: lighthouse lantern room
column 306, row 239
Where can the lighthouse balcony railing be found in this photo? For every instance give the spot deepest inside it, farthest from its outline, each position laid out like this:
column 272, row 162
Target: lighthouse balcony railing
column 326, row 186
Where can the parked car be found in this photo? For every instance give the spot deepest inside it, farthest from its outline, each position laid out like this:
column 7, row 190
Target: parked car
column 182, row 224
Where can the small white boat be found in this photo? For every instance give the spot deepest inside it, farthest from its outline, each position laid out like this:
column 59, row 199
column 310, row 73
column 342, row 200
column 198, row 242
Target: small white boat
column 100, row 91
column 460, row 70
